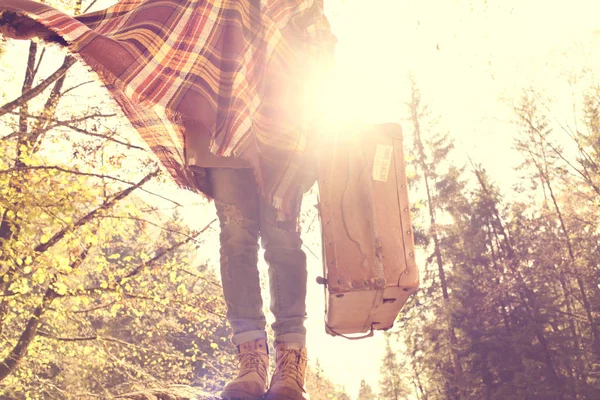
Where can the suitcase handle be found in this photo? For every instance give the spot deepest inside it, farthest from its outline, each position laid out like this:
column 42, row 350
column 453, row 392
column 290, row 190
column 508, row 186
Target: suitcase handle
column 371, row 333
column 323, row 281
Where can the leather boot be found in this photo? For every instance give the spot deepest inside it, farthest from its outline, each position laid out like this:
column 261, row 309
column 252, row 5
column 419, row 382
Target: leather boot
column 288, row 379
column 251, row 382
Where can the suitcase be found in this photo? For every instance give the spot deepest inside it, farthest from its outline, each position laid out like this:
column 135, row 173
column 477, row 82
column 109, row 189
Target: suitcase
column 368, row 248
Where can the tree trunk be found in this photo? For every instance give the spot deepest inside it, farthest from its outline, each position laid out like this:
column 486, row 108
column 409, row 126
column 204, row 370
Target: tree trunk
column 9, row 226
column 456, row 365
column 8, row 365
column 525, row 294
column 417, row 380
column 584, row 298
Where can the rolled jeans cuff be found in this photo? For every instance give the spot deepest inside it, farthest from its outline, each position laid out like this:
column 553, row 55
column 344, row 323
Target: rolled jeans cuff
column 298, row 338
column 248, row 336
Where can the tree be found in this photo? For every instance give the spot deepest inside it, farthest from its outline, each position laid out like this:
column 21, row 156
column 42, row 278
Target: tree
column 365, row 392
column 508, row 280
column 548, row 162
column 98, row 295
column 320, row 387
column 390, row 384
column 431, row 149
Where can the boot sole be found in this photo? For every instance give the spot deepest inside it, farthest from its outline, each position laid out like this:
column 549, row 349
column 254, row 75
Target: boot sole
column 271, row 396
column 278, row 397
column 236, row 395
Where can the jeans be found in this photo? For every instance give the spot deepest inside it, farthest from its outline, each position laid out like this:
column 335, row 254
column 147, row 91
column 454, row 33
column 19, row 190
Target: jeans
column 244, row 216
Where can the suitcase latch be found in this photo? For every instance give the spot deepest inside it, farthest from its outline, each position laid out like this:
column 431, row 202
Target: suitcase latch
column 321, row 280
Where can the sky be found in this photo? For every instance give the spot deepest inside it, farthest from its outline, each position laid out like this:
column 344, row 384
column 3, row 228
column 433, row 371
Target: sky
column 470, row 58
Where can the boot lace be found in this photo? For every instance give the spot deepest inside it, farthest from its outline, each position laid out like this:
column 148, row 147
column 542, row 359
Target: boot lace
column 251, row 361
column 289, row 364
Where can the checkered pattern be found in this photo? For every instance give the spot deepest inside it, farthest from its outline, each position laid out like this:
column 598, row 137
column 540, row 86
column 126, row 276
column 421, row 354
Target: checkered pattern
column 238, row 67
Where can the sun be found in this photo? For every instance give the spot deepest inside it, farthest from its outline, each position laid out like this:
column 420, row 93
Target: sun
column 363, row 85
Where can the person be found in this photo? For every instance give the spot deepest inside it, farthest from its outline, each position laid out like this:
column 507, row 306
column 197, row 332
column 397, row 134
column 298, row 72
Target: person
column 245, row 217
column 226, row 94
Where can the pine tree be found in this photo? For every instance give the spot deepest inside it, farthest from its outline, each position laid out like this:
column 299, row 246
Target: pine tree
column 365, row 392
column 567, row 184
column 431, row 149
column 390, row 384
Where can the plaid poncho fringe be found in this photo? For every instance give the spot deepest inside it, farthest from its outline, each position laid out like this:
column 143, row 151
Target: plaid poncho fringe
column 237, row 67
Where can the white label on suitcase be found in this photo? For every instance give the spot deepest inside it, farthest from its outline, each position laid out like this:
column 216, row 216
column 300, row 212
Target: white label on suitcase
column 382, row 161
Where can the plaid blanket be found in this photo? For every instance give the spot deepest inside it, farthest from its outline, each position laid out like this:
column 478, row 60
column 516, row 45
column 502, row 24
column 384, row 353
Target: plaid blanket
column 237, row 67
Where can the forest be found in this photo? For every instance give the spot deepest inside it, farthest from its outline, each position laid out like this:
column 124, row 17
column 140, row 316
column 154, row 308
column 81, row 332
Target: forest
column 509, row 303
column 101, row 293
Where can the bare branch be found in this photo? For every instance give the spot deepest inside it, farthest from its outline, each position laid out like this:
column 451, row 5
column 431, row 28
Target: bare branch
column 37, row 67
column 98, row 307
column 163, row 252
column 62, row 169
column 42, row 247
column 76, row 86
column 82, row 118
column 151, row 223
column 582, row 173
column 30, row 94
column 67, row 124
column 76, row 172
column 153, row 299
column 27, row 83
column 150, row 262
column 162, row 197
column 98, row 135
column 195, row 275
column 85, row 117
column 90, row 6
column 66, row 339
column 49, row 109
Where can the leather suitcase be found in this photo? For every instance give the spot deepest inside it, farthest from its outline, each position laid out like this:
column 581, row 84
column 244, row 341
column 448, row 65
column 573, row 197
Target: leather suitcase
column 368, row 249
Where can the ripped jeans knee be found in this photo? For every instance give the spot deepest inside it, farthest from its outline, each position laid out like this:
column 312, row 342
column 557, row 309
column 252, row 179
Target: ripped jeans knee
column 230, row 213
